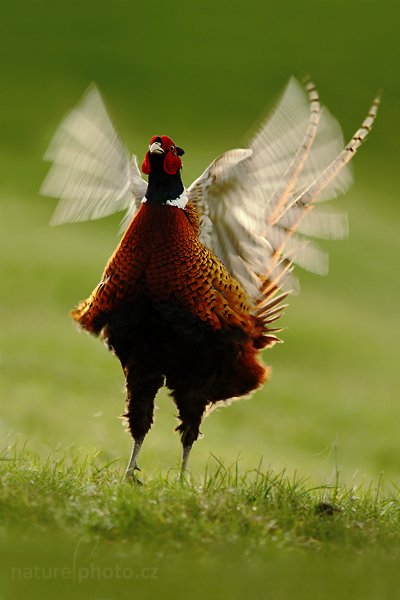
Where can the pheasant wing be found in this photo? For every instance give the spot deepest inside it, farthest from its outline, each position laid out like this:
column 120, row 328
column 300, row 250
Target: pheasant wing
column 91, row 173
column 257, row 206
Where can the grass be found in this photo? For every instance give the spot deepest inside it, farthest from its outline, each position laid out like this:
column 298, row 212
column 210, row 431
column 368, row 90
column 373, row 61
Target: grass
column 76, row 524
column 256, row 508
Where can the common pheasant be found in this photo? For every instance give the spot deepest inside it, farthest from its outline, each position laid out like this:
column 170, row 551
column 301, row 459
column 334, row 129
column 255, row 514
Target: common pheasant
column 190, row 296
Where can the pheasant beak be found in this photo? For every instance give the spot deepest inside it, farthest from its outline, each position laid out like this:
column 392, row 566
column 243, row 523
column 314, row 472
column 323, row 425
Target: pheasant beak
column 155, row 148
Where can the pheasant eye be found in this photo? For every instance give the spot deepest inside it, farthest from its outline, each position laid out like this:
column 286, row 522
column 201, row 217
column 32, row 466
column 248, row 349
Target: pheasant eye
column 172, row 148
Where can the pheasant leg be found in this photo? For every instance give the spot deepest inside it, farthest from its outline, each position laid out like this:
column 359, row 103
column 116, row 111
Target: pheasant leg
column 133, row 466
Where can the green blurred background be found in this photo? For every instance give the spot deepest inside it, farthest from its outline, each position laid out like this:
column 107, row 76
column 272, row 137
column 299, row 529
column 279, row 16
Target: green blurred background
column 203, row 73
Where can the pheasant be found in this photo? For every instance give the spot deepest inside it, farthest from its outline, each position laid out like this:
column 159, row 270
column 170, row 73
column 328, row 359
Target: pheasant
column 190, row 297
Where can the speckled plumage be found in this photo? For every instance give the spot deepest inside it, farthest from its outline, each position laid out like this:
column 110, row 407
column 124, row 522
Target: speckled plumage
column 160, row 256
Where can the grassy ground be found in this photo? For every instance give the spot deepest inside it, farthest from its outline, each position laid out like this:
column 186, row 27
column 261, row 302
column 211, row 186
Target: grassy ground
column 326, row 426
column 111, row 535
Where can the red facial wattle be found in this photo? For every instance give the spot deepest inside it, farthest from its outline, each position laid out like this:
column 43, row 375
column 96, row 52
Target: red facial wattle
column 172, row 161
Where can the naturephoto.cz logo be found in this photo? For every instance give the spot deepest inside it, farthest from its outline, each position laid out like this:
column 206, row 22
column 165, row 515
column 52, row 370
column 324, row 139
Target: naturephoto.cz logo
column 85, row 569
column 84, row 573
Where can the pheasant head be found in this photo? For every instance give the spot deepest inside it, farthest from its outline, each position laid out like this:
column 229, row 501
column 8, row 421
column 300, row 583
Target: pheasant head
column 162, row 154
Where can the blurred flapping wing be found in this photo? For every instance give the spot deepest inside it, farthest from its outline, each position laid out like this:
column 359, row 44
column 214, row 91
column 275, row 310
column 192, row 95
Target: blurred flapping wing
column 257, row 206
column 91, row 173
